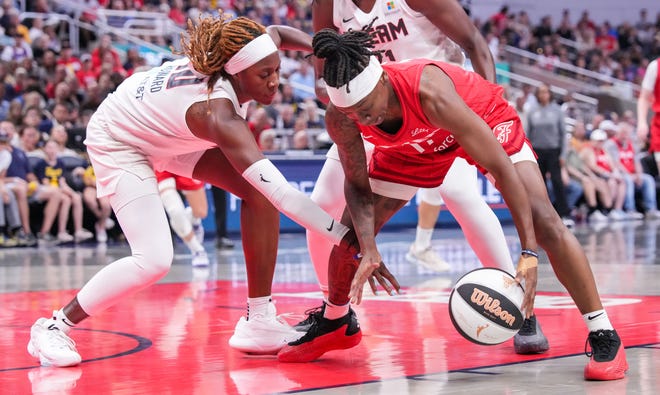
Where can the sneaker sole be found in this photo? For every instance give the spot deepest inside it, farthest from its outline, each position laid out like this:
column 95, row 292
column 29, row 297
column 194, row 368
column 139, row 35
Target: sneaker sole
column 307, row 352
column 248, row 346
column 44, row 361
column 606, row 371
column 527, row 349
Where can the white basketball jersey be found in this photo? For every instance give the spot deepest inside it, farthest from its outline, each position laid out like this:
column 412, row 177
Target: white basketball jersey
column 399, row 31
column 148, row 110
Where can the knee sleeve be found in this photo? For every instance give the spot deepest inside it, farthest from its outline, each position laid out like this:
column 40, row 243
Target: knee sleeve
column 431, row 196
column 144, row 224
column 328, row 190
column 328, row 193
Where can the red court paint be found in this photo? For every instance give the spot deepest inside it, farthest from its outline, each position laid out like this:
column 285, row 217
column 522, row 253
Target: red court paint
column 172, row 338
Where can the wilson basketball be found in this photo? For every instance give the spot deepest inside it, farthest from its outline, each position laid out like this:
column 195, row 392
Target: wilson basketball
column 484, row 306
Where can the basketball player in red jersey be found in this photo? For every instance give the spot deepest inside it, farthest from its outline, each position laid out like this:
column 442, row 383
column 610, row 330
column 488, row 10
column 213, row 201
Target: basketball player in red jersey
column 420, row 115
column 408, row 29
column 649, row 98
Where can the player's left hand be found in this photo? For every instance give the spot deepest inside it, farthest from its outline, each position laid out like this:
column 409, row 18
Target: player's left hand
column 385, row 279
column 527, row 275
column 372, row 270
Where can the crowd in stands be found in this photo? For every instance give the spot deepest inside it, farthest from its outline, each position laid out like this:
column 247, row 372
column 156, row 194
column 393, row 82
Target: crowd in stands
column 48, row 92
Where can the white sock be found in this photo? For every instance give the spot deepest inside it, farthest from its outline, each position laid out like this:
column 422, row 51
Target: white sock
column 597, row 320
column 333, row 312
column 326, row 292
column 423, row 238
column 258, row 306
column 61, row 321
column 194, row 245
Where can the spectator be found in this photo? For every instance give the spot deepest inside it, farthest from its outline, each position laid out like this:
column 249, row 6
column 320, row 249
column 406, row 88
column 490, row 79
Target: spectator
column 18, row 51
column 24, row 178
column 546, row 131
column 603, row 165
column 86, row 75
column 287, row 118
column 10, row 222
column 626, row 153
column 51, row 171
column 595, row 190
column 99, row 53
column 312, row 114
column 68, row 60
column 177, row 13
column 303, row 82
column 30, row 142
column 300, row 140
column 259, row 121
column 99, row 206
column 268, row 141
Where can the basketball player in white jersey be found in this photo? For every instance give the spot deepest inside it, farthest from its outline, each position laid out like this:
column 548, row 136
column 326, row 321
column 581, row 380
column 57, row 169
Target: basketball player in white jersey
column 407, row 29
column 187, row 117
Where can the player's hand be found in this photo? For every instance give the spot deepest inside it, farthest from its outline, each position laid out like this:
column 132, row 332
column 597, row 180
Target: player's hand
column 371, row 268
column 527, row 276
column 385, row 279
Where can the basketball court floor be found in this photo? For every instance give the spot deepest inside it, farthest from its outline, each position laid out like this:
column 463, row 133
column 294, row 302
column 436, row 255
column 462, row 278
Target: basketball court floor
column 172, row 337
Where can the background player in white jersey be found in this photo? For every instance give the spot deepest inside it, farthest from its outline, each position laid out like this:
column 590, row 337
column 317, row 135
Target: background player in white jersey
column 185, row 221
column 407, row 29
column 187, row 117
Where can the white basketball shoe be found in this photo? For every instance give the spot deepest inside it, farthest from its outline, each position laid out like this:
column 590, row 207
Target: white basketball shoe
column 200, row 259
column 427, row 258
column 263, row 334
column 52, row 346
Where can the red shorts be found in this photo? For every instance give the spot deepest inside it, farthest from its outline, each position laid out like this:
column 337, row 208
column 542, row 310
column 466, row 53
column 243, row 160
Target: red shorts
column 182, row 183
column 428, row 171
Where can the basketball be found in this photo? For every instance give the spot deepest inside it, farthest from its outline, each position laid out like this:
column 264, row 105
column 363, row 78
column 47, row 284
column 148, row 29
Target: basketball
column 484, row 306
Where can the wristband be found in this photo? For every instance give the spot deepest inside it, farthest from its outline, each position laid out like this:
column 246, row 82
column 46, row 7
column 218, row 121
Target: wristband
column 529, row 252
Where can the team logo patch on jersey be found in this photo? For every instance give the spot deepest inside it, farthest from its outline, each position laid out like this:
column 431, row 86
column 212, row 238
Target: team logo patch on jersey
column 502, row 131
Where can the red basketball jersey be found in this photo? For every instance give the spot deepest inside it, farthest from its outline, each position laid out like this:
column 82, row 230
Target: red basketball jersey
column 420, row 153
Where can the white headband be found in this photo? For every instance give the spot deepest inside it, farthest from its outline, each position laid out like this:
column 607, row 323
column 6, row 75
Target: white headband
column 361, row 85
column 250, row 54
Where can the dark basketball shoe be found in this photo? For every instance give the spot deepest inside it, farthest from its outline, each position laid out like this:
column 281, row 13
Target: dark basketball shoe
column 607, row 357
column 530, row 339
column 324, row 335
column 313, row 315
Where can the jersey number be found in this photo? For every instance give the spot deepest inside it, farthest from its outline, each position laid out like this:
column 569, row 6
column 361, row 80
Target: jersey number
column 183, row 76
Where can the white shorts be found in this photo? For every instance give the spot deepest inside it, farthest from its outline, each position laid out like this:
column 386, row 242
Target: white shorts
column 111, row 158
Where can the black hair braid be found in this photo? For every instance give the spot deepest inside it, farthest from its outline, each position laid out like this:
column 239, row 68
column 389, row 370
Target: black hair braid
column 346, row 55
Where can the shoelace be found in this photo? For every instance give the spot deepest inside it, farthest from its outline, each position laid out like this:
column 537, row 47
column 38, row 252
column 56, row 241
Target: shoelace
column 528, row 327
column 601, row 345
column 312, row 314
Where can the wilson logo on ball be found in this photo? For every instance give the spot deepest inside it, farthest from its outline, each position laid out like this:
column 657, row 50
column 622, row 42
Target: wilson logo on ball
column 491, row 304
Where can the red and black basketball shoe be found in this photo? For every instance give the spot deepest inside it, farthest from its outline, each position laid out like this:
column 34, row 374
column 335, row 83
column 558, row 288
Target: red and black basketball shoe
column 324, row 335
column 607, row 357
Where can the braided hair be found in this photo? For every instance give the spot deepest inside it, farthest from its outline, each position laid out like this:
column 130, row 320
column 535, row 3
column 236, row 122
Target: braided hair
column 213, row 41
column 346, row 55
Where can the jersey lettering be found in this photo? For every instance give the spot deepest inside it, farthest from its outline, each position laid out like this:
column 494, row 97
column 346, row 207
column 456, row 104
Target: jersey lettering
column 183, row 76
column 386, row 33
